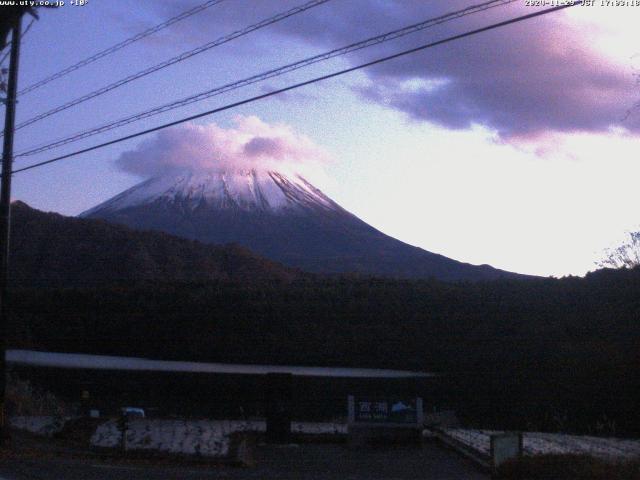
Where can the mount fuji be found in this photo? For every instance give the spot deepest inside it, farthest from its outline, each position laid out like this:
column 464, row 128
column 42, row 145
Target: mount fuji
column 280, row 216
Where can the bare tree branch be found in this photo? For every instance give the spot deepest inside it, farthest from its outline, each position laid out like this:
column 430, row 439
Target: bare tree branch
column 626, row 255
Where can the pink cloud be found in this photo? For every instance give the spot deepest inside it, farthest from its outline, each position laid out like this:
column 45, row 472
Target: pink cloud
column 524, row 80
column 252, row 144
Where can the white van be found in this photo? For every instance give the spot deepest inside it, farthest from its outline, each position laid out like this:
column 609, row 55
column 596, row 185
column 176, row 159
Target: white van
column 132, row 412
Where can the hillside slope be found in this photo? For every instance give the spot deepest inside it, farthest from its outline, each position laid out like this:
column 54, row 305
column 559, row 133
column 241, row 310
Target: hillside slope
column 50, row 248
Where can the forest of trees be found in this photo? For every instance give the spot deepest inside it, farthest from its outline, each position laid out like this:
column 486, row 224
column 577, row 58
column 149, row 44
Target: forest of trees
column 538, row 354
column 534, row 353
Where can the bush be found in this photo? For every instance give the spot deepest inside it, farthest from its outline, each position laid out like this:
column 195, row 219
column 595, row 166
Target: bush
column 22, row 398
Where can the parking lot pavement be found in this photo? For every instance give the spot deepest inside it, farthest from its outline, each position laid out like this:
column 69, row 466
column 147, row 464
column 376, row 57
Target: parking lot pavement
column 303, row 462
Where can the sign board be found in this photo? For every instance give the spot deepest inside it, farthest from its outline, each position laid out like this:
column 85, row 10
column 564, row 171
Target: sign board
column 391, row 411
column 505, row 446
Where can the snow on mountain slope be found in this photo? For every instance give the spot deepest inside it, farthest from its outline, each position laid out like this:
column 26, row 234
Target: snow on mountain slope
column 248, row 190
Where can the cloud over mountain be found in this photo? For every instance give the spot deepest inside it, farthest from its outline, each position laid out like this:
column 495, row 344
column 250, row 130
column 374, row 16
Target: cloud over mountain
column 252, row 144
column 536, row 77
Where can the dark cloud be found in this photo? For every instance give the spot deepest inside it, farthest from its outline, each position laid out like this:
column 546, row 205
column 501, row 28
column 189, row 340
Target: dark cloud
column 522, row 80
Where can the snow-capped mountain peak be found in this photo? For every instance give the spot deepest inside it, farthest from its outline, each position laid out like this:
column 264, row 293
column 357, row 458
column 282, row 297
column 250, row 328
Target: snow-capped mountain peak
column 247, row 190
column 280, row 216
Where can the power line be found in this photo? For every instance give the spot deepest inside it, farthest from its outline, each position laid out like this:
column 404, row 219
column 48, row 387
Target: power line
column 392, row 35
column 26, row 30
column 174, row 60
column 121, row 45
column 8, row 46
column 6, row 55
column 302, row 84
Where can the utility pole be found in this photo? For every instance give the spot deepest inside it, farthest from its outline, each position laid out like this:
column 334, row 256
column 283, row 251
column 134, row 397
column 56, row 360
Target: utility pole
column 5, row 204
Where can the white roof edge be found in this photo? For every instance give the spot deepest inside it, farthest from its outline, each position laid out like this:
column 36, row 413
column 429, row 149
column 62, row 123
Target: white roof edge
column 107, row 362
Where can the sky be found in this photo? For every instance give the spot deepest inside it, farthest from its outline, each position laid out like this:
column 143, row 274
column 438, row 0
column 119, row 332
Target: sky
column 516, row 147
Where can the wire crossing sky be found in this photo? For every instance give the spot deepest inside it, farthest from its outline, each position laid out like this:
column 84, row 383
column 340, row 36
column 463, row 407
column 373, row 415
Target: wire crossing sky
column 8, row 45
column 497, row 149
column 120, row 45
column 172, row 61
column 386, row 37
column 302, row 84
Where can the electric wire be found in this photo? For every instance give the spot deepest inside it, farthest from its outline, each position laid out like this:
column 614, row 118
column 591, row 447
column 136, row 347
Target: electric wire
column 6, row 55
column 388, row 36
column 183, row 56
column 121, row 45
column 26, row 30
column 302, row 84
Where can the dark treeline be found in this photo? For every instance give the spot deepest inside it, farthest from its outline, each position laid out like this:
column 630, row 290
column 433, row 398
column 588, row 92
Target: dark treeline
column 538, row 354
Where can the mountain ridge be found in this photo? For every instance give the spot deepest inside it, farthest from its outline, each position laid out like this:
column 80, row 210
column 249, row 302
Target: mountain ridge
column 51, row 248
column 281, row 217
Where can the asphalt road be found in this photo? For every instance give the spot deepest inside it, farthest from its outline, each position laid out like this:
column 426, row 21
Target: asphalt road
column 304, row 462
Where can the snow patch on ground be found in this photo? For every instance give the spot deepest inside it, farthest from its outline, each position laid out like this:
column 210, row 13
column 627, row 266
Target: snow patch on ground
column 537, row 443
column 45, row 426
column 210, row 438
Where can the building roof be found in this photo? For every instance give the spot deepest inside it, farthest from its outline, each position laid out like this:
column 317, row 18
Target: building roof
column 105, row 362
